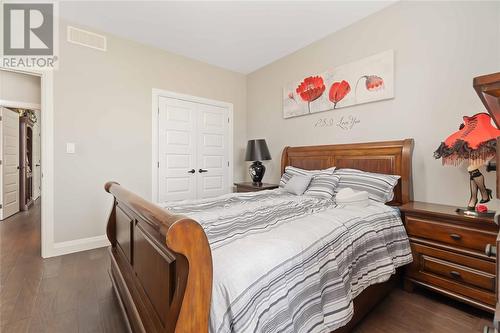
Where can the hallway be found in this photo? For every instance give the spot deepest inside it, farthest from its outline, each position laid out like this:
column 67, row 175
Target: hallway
column 70, row 293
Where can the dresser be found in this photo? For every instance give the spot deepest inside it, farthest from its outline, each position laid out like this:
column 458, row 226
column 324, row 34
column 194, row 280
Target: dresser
column 452, row 254
column 250, row 187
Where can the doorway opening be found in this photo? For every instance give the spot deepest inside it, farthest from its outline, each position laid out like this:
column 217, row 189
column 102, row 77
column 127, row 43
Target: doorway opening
column 20, row 154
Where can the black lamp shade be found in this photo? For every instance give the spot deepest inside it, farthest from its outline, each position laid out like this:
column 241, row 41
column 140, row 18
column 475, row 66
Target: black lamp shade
column 257, row 150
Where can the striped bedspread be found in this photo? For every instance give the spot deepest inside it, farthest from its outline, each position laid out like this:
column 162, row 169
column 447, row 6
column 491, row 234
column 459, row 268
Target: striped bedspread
column 286, row 263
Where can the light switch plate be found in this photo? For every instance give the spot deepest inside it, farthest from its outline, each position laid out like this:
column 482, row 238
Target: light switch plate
column 70, row 148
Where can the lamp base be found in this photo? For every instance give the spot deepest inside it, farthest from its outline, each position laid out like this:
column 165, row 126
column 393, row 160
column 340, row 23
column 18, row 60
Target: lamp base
column 257, row 171
column 473, row 213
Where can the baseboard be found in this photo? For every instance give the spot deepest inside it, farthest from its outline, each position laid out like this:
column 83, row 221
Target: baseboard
column 77, row 245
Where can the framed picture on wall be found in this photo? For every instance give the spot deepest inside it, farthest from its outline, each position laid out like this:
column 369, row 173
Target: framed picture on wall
column 367, row 80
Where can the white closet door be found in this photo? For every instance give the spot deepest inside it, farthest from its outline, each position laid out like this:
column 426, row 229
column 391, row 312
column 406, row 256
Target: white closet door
column 213, row 139
column 10, row 162
column 176, row 150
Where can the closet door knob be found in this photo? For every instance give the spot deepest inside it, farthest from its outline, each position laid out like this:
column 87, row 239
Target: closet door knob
column 202, row 170
column 192, row 171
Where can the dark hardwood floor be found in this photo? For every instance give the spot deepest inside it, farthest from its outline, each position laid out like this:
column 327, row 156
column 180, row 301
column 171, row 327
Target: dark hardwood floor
column 423, row 312
column 73, row 293
column 70, row 293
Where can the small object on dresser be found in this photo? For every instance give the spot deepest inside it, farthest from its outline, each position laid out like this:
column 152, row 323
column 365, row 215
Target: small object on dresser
column 250, row 187
column 453, row 254
column 257, row 151
column 482, row 208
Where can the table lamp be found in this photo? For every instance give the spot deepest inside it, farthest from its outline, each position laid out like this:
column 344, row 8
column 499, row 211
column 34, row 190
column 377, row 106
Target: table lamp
column 475, row 142
column 257, row 151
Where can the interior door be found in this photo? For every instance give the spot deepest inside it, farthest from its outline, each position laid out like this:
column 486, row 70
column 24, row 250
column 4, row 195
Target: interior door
column 37, row 168
column 176, row 149
column 212, row 158
column 10, row 162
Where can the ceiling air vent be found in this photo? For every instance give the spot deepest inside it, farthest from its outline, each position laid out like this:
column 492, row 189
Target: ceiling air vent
column 86, row 38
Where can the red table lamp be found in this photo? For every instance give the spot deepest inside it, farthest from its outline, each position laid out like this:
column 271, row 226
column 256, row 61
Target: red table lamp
column 474, row 142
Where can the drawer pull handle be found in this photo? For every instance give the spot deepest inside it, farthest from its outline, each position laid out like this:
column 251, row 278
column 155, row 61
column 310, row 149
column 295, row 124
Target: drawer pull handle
column 490, row 250
column 456, row 236
column 488, row 329
column 455, row 274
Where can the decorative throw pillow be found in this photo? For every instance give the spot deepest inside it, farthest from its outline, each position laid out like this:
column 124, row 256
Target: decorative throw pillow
column 380, row 187
column 348, row 197
column 292, row 171
column 323, row 186
column 297, row 184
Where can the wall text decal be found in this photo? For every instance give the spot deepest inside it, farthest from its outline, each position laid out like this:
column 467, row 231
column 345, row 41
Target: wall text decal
column 345, row 122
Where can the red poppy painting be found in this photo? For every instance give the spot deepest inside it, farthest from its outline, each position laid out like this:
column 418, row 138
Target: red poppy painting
column 372, row 82
column 338, row 91
column 367, row 80
column 311, row 89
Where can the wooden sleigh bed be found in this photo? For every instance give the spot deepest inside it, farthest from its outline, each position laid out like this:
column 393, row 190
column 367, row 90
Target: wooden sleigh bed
column 161, row 264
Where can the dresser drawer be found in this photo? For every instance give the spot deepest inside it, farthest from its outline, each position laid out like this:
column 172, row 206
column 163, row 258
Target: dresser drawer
column 458, row 273
column 420, row 250
column 437, row 268
column 451, row 234
column 479, row 297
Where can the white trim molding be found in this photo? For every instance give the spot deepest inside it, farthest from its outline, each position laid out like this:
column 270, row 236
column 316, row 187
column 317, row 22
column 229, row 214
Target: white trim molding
column 19, row 105
column 47, row 157
column 154, row 133
column 77, row 245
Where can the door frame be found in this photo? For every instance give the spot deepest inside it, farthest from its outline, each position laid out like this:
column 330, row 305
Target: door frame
column 157, row 93
column 46, row 155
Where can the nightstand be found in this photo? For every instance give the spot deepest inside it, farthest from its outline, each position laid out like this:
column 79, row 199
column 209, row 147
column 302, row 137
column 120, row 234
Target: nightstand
column 451, row 253
column 250, row 187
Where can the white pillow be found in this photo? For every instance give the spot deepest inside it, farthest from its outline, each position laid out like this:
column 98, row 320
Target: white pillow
column 348, row 197
column 297, row 184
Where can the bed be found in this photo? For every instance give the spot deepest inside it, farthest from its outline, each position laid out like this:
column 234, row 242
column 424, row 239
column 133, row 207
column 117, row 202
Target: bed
column 162, row 264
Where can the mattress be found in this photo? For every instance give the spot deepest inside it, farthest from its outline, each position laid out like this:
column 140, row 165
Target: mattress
column 287, row 263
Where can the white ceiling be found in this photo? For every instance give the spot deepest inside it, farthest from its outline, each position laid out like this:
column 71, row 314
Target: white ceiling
column 240, row 35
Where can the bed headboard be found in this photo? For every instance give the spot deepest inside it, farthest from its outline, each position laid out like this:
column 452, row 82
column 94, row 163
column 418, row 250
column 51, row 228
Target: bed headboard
column 389, row 157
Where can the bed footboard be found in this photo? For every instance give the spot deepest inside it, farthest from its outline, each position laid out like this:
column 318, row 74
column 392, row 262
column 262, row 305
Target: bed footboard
column 161, row 266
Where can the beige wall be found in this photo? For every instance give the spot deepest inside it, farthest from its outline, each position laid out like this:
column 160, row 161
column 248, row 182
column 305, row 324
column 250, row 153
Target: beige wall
column 103, row 104
column 439, row 47
column 19, row 87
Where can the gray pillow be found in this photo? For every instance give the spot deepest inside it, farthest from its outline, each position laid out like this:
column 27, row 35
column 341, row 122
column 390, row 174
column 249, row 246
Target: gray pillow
column 297, row 184
column 323, row 186
column 292, row 171
column 380, row 187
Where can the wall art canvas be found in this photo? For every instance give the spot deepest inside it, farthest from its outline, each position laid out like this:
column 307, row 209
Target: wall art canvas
column 367, row 80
